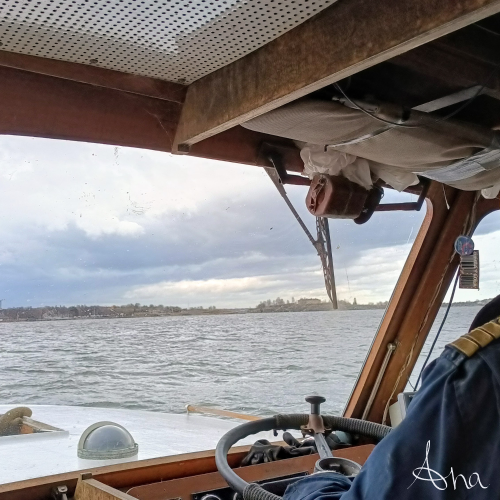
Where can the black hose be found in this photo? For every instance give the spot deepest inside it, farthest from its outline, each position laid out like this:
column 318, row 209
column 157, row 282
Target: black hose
column 253, row 491
column 231, row 438
column 355, row 426
column 291, row 421
column 352, row 425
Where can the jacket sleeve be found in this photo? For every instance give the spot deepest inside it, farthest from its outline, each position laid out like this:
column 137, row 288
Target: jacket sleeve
column 323, row 486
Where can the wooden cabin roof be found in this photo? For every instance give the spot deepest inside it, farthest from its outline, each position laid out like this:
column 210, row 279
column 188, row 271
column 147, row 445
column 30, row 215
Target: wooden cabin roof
column 181, row 76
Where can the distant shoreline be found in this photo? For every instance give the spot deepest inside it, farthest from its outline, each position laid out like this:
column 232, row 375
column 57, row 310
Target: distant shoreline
column 14, row 315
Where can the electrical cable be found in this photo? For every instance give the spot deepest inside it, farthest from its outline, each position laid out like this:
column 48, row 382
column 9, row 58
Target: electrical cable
column 357, row 106
column 442, row 119
column 440, row 329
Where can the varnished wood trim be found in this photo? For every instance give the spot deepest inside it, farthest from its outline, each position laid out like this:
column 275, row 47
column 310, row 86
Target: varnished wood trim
column 43, row 106
column 36, row 105
column 183, row 488
column 93, row 75
column 240, row 145
column 400, row 298
column 90, row 489
column 123, row 475
column 130, row 474
column 223, row 413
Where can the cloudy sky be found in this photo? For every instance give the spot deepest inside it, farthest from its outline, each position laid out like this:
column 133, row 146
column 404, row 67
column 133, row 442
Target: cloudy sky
column 92, row 224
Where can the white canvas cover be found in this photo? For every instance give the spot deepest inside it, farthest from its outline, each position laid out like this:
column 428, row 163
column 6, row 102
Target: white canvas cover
column 462, row 155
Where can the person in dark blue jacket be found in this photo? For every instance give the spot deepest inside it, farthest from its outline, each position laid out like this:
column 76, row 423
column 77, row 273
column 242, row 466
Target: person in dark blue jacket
column 448, row 445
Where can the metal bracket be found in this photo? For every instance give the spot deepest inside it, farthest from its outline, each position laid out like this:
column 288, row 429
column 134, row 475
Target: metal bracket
column 59, row 492
column 456, row 98
column 411, row 206
column 278, row 174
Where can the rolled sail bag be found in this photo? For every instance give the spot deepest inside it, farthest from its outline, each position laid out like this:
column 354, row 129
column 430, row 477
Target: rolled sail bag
column 335, row 197
column 462, row 155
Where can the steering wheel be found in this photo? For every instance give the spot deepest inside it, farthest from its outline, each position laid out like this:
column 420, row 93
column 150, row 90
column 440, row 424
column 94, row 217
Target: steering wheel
column 252, row 491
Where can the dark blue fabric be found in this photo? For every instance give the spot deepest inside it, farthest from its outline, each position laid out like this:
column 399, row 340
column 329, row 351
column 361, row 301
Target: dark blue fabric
column 323, row 486
column 456, row 411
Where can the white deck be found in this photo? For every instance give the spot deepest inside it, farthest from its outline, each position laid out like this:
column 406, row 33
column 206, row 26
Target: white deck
column 158, row 434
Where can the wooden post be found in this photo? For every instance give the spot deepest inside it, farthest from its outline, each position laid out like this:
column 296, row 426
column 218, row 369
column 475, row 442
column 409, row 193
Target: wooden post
column 90, row 489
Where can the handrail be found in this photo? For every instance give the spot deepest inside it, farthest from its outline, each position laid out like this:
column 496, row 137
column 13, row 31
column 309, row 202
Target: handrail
column 222, row 413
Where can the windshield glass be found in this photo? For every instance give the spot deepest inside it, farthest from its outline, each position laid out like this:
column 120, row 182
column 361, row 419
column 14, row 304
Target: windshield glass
column 137, row 280
column 466, row 303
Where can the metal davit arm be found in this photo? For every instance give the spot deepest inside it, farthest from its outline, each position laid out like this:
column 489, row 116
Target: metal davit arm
column 322, row 244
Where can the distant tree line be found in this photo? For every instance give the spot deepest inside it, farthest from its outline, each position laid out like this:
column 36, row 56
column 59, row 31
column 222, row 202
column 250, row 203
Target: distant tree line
column 137, row 310
column 313, row 303
column 85, row 311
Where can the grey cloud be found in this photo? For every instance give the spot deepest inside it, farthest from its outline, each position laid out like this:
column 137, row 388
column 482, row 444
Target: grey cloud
column 256, row 237
column 245, row 230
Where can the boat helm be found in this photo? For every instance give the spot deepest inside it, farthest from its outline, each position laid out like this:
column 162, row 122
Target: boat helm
column 106, row 441
column 313, row 424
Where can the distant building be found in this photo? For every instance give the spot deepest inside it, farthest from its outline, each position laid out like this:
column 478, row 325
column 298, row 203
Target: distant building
column 308, row 302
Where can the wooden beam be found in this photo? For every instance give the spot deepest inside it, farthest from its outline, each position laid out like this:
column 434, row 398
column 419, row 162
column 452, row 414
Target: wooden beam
column 398, row 85
column 446, row 71
column 240, row 145
column 93, row 75
column 42, row 106
column 486, row 207
column 343, row 39
column 453, row 65
column 473, row 41
column 222, row 413
column 37, row 105
column 450, row 70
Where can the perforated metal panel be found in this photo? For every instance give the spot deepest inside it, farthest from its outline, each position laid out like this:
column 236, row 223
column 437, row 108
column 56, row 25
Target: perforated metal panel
column 172, row 40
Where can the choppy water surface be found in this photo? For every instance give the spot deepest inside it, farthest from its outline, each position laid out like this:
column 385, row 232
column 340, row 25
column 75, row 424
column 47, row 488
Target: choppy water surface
column 255, row 363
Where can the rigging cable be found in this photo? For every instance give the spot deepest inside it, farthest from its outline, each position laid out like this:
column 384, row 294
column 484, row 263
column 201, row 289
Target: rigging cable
column 440, row 329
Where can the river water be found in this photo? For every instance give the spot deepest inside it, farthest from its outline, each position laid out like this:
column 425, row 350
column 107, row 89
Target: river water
column 251, row 363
